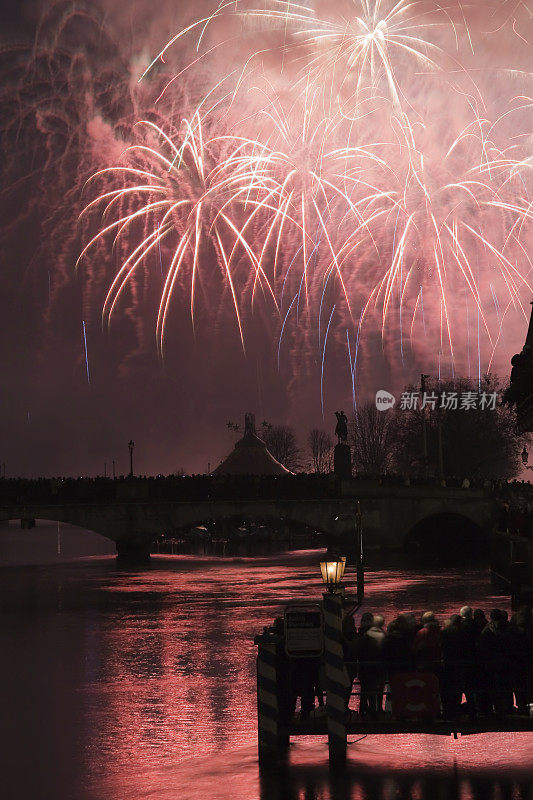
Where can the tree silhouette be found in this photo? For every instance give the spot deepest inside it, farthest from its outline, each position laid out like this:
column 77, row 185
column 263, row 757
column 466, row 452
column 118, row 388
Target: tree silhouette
column 463, row 431
column 282, row 443
column 371, row 436
column 320, row 446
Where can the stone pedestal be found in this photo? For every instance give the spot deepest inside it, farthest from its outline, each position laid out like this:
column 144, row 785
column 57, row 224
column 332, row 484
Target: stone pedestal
column 342, row 461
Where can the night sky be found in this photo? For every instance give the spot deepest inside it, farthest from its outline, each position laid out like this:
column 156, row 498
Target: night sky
column 70, row 101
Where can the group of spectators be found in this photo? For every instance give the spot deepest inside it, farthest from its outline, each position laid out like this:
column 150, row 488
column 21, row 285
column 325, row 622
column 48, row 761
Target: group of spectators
column 201, row 487
column 488, row 661
column 166, row 487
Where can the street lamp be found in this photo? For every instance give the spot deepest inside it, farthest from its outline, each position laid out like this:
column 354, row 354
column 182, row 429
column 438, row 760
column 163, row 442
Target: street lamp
column 131, row 445
column 359, row 558
column 332, row 571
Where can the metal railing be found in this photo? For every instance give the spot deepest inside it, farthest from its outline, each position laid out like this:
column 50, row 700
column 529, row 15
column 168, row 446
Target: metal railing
column 469, row 687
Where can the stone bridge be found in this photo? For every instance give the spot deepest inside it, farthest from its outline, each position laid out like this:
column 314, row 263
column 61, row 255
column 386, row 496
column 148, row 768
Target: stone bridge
column 133, row 512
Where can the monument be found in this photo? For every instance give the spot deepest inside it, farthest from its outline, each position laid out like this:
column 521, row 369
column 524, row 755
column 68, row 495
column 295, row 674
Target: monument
column 342, row 458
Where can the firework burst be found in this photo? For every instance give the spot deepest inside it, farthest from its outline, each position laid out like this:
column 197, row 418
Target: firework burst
column 451, row 234
column 180, row 199
column 358, row 169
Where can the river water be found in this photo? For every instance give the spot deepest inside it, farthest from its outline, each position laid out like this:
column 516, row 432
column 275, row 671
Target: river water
column 125, row 684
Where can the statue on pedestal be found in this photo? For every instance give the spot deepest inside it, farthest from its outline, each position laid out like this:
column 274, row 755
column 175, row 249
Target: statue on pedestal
column 342, row 459
column 341, row 430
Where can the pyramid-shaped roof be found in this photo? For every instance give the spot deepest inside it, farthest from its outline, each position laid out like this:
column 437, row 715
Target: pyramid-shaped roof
column 250, row 456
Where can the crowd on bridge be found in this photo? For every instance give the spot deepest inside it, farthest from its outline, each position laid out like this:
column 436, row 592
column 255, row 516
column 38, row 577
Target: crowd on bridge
column 142, row 488
column 486, row 661
column 177, row 487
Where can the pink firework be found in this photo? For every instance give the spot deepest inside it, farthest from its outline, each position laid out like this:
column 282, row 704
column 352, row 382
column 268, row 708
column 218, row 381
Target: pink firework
column 366, row 170
column 180, row 197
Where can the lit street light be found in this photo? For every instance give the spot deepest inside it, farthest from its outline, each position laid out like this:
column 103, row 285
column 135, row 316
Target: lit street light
column 359, row 557
column 332, row 572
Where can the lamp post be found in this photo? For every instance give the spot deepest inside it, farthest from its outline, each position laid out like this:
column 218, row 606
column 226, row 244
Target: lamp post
column 359, row 560
column 131, row 445
column 360, row 564
column 334, row 671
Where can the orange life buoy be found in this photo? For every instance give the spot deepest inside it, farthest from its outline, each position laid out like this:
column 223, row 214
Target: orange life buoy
column 415, row 695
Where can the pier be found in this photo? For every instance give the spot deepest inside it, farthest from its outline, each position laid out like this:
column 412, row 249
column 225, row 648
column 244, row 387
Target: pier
column 316, row 634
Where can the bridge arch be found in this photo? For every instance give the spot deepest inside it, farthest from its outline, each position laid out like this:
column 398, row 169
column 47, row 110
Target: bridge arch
column 56, row 518
column 451, row 535
column 265, row 517
column 45, row 538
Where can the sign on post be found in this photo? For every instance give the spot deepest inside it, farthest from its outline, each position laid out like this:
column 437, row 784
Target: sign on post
column 304, row 631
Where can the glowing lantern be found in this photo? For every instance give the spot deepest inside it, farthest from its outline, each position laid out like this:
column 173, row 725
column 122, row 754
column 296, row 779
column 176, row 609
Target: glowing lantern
column 332, row 572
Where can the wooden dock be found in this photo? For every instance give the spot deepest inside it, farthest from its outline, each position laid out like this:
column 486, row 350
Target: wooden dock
column 387, row 725
column 419, row 714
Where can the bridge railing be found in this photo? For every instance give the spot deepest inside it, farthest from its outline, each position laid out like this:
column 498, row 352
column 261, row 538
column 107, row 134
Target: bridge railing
column 17, row 491
column 168, row 488
column 485, row 690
